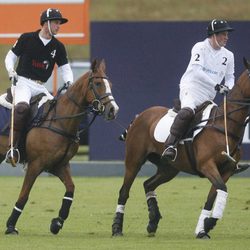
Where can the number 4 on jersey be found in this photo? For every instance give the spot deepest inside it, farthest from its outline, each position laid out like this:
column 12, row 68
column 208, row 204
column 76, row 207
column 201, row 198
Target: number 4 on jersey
column 53, row 53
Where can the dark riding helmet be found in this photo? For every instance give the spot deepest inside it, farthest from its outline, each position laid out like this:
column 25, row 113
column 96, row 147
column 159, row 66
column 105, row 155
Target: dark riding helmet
column 52, row 14
column 217, row 26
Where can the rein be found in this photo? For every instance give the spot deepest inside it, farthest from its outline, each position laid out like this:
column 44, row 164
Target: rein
column 98, row 108
column 243, row 103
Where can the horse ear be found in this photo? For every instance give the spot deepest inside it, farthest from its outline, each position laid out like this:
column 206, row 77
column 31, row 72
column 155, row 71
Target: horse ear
column 103, row 65
column 246, row 63
column 93, row 65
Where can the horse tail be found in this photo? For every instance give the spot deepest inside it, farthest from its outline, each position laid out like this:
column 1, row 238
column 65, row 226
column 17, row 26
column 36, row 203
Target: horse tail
column 123, row 135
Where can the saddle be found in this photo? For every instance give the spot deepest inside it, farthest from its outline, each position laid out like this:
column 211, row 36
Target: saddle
column 33, row 102
column 188, row 138
column 38, row 112
column 197, row 118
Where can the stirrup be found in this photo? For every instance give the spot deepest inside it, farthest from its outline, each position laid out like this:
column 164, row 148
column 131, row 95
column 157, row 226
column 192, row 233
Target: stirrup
column 170, row 153
column 12, row 156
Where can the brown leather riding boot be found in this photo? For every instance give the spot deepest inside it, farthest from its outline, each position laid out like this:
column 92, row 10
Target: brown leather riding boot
column 170, row 152
column 177, row 131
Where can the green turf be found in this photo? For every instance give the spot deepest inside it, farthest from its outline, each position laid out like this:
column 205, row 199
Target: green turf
column 90, row 220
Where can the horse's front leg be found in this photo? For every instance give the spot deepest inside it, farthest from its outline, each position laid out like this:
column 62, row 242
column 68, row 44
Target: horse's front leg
column 209, row 215
column 30, row 177
column 65, row 176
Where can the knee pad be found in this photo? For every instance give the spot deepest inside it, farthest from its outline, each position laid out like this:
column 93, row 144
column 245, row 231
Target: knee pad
column 21, row 113
column 181, row 122
column 22, row 108
column 186, row 114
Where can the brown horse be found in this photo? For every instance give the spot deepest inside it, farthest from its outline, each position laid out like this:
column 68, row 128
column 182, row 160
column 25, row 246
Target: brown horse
column 50, row 146
column 208, row 146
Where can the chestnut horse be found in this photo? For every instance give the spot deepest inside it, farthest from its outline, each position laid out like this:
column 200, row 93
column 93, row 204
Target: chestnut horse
column 51, row 145
column 208, row 146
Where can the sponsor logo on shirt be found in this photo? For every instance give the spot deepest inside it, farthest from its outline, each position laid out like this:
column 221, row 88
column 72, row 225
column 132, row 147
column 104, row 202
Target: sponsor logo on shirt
column 40, row 65
column 210, row 71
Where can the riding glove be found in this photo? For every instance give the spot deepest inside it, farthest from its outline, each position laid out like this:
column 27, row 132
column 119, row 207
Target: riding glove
column 222, row 89
column 13, row 76
column 67, row 84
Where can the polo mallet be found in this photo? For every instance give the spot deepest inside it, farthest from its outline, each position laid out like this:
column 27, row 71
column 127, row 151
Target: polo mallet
column 225, row 124
column 11, row 151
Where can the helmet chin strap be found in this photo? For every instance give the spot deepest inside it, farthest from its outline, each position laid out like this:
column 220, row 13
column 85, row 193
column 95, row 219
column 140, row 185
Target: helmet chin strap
column 50, row 32
column 215, row 39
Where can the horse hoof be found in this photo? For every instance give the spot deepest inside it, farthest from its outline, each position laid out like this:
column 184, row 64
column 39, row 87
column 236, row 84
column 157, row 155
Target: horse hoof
column 56, row 225
column 117, row 224
column 11, row 230
column 151, row 229
column 152, row 234
column 116, row 230
column 117, row 234
column 203, row 235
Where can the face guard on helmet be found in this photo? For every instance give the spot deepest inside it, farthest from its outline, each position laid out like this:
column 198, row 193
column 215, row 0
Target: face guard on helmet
column 217, row 26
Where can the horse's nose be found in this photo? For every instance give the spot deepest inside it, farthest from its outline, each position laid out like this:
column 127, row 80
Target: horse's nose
column 111, row 114
column 111, row 110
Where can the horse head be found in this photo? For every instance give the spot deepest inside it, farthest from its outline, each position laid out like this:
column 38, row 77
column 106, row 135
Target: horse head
column 99, row 93
column 244, row 79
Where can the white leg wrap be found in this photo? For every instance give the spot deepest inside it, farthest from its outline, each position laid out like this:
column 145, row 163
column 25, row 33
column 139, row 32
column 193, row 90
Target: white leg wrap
column 18, row 209
column 220, row 204
column 120, row 209
column 200, row 225
column 151, row 194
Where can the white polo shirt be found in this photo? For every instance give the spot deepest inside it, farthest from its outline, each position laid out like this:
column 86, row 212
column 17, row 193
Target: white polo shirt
column 207, row 67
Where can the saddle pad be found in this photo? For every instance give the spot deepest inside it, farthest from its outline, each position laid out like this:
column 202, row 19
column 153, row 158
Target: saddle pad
column 3, row 101
column 162, row 128
column 4, row 120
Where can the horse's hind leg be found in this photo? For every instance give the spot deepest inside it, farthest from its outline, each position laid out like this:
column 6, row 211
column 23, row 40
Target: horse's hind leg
column 30, row 177
column 162, row 176
column 65, row 176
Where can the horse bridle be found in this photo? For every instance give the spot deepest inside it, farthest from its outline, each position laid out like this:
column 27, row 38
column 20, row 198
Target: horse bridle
column 98, row 105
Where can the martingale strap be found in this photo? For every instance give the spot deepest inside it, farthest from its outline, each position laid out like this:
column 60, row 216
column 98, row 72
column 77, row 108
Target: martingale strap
column 74, row 138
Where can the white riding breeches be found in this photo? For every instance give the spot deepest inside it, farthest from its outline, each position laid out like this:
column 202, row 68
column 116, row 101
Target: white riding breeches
column 192, row 99
column 26, row 88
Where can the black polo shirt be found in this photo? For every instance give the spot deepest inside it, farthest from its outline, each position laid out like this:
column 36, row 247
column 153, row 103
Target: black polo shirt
column 36, row 60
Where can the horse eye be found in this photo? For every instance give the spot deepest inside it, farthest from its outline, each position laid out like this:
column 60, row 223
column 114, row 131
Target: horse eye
column 98, row 84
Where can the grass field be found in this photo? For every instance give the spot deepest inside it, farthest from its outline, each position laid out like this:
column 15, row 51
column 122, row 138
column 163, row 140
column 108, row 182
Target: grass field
column 90, row 220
